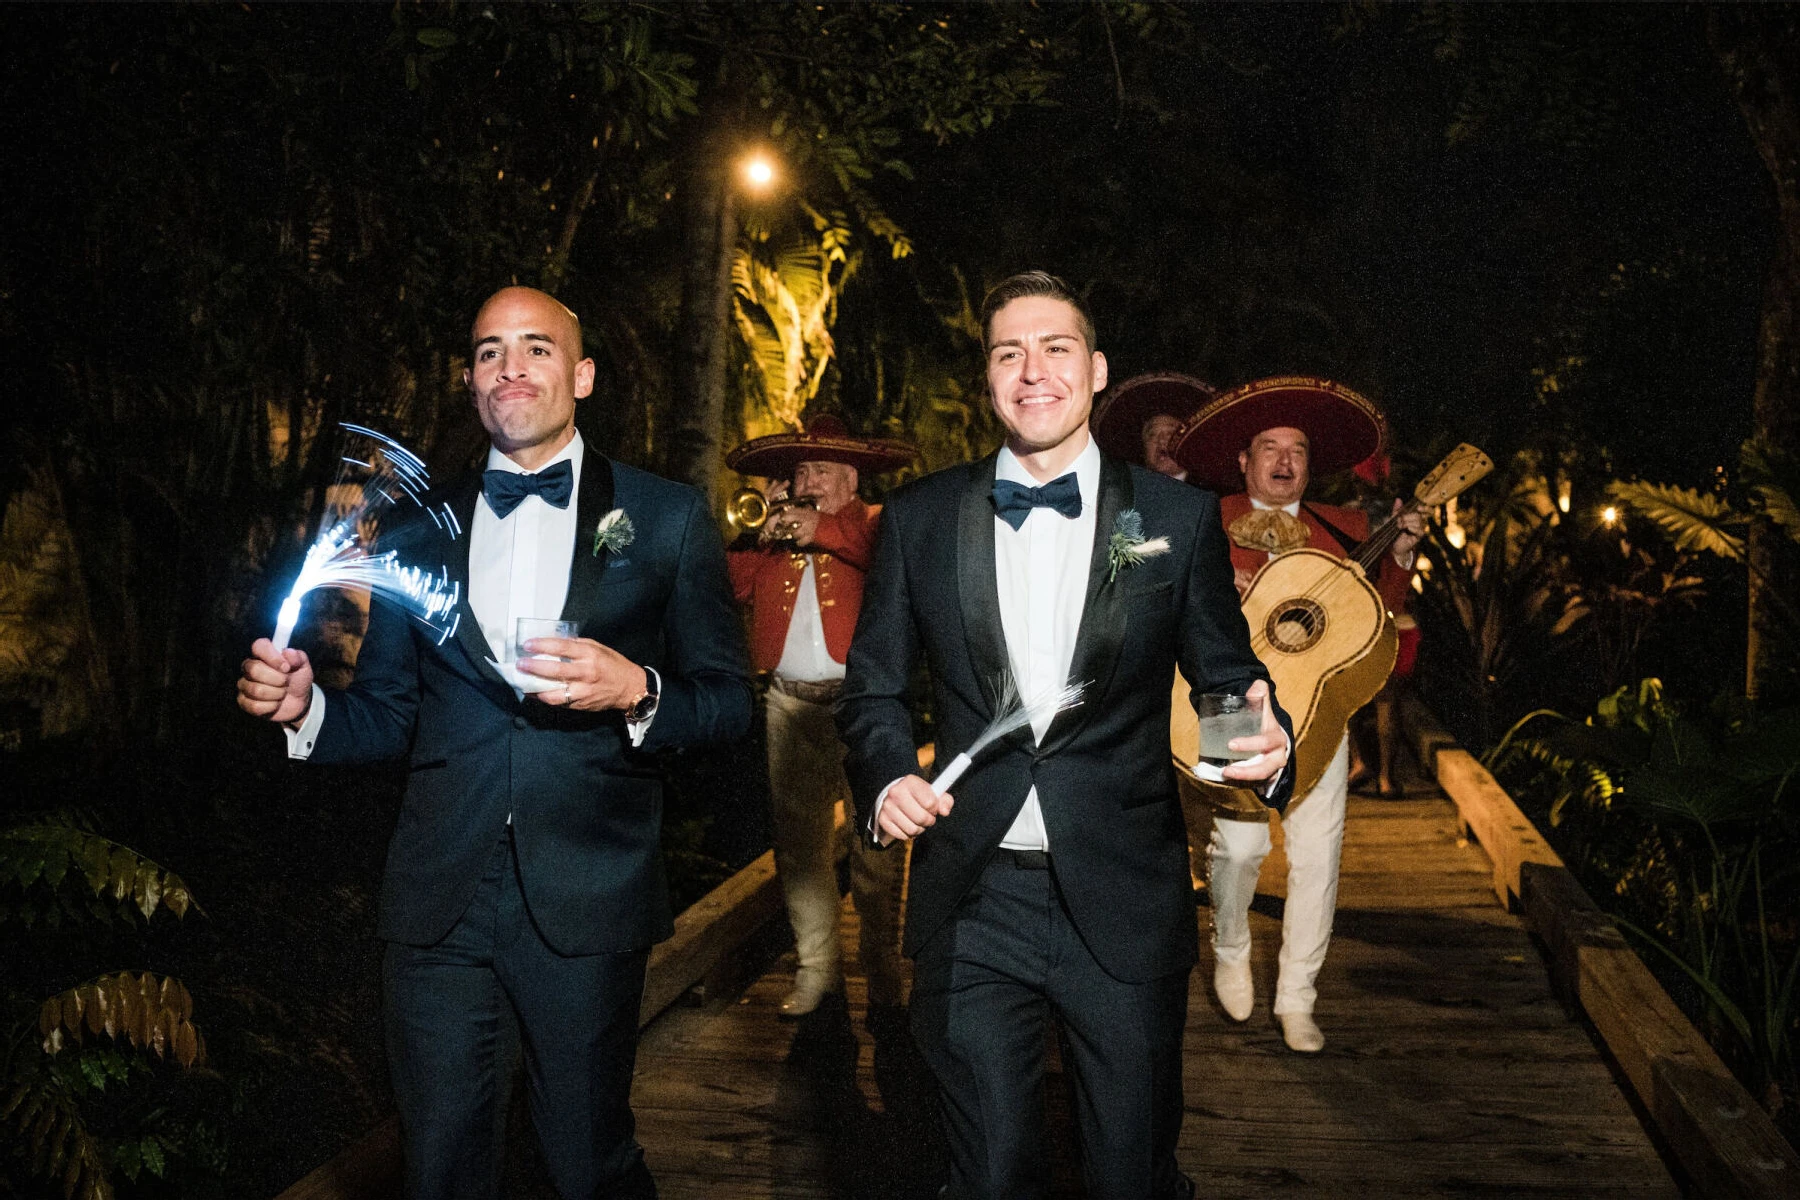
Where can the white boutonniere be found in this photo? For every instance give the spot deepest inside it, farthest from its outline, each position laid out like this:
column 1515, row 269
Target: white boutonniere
column 613, row 533
column 1128, row 547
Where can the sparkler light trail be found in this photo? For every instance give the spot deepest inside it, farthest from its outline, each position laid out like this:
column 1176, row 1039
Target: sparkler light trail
column 340, row 557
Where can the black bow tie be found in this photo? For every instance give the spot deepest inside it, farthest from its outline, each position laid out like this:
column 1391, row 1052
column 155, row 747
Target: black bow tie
column 1013, row 502
column 506, row 490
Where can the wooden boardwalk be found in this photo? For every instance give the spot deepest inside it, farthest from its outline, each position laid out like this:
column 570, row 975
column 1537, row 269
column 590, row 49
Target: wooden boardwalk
column 1450, row 1068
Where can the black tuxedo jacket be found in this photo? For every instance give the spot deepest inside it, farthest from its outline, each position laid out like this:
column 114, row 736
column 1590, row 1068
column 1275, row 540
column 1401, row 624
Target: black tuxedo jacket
column 586, row 806
column 1103, row 771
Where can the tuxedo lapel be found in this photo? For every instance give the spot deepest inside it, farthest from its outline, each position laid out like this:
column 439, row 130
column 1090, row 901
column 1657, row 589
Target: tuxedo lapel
column 587, row 570
column 977, row 585
column 1102, row 629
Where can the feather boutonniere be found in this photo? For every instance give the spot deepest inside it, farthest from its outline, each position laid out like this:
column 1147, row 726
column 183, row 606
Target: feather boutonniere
column 613, row 533
column 1128, row 547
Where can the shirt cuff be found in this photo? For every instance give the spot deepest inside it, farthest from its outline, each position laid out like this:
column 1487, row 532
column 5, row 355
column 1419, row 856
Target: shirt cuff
column 638, row 729
column 874, row 829
column 301, row 740
column 1268, row 785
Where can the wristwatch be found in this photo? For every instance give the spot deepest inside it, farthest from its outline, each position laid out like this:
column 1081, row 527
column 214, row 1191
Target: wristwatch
column 644, row 707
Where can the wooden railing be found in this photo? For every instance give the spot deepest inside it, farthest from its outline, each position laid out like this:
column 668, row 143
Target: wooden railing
column 1716, row 1131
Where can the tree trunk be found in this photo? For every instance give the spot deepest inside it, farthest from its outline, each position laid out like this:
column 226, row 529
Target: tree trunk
column 692, row 447
column 1759, row 50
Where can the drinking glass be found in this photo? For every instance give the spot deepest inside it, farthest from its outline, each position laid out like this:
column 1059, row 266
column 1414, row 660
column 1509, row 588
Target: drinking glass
column 1223, row 716
column 540, row 627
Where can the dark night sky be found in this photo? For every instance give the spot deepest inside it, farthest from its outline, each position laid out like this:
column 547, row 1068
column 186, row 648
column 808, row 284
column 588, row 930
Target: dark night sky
column 1294, row 204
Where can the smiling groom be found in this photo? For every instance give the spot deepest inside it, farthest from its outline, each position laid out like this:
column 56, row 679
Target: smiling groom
column 1055, row 880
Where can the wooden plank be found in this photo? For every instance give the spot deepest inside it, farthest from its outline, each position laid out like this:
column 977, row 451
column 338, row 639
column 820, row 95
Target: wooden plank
column 1420, row 727
column 1724, row 1141
column 1722, row 1137
column 711, row 928
column 1506, row 833
column 371, row 1167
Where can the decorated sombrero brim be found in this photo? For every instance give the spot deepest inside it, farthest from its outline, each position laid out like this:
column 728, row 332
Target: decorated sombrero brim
column 1342, row 427
column 825, row 439
column 1118, row 422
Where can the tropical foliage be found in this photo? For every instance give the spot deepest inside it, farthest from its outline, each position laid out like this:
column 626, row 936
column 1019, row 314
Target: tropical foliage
column 73, row 1061
column 1691, row 821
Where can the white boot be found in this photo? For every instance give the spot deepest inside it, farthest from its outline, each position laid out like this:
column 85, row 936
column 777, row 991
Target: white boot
column 1233, row 986
column 1301, row 1032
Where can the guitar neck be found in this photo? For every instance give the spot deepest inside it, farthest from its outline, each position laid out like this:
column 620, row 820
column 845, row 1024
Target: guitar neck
column 1380, row 541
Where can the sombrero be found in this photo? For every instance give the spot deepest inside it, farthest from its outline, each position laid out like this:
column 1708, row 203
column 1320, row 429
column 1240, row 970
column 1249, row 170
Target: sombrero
column 1342, row 427
column 1118, row 422
column 825, row 439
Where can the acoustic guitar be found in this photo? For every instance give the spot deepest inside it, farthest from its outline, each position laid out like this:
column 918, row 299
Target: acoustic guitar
column 1320, row 627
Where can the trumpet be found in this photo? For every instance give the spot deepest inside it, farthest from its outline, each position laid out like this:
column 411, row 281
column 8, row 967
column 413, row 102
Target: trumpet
column 749, row 509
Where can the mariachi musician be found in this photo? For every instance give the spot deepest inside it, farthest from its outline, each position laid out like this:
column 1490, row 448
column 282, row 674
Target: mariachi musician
column 1263, row 443
column 801, row 573
column 1139, row 420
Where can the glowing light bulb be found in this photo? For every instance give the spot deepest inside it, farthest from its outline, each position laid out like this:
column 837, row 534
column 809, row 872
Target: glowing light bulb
column 759, row 172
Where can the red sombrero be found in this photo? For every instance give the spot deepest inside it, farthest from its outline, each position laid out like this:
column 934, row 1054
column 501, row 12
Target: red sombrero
column 825, row 439
column 1118, row 422
column 1342, row 427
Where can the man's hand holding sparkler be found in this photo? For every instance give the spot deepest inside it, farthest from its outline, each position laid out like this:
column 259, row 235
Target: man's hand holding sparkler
column 276, row 684
column 595, row 677
column 909, row 809
column 1271, row 744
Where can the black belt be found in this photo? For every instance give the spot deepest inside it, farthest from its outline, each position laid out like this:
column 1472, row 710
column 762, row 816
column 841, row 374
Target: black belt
column 1026, row 860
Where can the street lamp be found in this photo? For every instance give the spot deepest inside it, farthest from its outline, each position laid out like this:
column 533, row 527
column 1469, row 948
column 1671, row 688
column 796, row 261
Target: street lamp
column 759, row 171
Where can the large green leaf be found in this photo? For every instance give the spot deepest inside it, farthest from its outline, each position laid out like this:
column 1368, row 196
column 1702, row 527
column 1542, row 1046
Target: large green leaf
column 1693, row 520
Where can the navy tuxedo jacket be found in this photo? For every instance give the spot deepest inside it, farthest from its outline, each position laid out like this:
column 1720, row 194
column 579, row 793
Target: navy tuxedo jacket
column 1103, row 771
column 586, row 806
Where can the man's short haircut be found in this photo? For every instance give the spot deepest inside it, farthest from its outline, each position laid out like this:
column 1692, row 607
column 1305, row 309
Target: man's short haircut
column 1032, row 283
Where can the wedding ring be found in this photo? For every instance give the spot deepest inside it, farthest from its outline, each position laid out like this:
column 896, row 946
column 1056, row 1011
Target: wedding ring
column 568, row 698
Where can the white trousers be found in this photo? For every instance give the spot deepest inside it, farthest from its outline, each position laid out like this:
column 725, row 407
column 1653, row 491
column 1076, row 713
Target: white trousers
column 806, row 786
column 1313, row 832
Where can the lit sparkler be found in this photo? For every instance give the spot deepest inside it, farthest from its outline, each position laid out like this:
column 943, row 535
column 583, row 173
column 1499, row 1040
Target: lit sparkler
column 340, row 557
column 1010, row 713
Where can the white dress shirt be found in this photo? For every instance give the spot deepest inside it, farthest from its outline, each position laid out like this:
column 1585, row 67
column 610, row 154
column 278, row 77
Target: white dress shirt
column 805, row 658
column 518, row 567
column 1041, row 569
column 519, row 563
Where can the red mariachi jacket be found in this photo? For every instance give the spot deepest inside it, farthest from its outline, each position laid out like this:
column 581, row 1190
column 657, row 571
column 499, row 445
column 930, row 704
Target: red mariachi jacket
column 1392, row 581
column 768, row 580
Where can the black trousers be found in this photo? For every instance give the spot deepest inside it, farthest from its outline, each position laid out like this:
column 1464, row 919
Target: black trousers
column 984, row 989
column 450, row 1051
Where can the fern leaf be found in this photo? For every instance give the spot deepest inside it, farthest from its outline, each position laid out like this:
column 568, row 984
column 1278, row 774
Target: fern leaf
column 1693, row 520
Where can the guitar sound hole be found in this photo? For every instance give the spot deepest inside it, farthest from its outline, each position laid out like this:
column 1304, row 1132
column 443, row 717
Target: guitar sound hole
column 1295, row 625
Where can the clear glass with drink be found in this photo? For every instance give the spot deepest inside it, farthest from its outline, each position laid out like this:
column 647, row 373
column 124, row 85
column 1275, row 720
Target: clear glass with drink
column 1224, row 716
column 540, row 627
